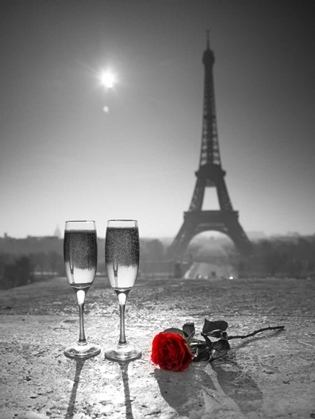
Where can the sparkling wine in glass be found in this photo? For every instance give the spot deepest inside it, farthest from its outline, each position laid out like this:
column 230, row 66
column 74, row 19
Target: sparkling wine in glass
column 80, row 258
column 122, row 264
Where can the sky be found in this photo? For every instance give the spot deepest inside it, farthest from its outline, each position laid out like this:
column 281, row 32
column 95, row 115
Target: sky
column 70, row 148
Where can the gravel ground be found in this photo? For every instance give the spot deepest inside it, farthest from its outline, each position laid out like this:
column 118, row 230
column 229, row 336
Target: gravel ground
column 270, row 375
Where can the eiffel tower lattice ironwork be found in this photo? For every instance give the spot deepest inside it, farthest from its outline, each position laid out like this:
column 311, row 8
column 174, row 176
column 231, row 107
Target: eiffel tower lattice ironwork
column 210, row 174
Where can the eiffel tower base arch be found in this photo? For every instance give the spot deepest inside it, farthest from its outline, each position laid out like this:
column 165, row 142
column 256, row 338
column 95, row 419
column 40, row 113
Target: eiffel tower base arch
column 196, row 222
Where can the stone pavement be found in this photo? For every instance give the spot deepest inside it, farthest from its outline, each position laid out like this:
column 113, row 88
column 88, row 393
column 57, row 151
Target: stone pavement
column 270, row 375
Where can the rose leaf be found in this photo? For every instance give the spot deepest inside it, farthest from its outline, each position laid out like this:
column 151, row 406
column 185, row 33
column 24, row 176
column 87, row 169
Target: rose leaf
column 189, row 329
column 210, row 326
column 208, row 341
column 216, row 333
column 201, row 354
column 176, row 331
column 221, row 345
column 220, row 348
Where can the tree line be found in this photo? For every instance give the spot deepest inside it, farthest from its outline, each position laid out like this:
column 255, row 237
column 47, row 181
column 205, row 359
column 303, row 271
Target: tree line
column 283, row 258
column 20, row 269
column 293, row 257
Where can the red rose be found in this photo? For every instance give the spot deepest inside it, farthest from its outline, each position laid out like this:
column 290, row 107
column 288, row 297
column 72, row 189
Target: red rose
column 171, row 352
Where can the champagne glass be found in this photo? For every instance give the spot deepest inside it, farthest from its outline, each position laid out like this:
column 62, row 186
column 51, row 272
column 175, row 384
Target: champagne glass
column 80, row 258
column 122, row 263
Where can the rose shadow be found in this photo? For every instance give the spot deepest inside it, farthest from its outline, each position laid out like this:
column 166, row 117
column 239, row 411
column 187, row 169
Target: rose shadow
column 181, row 390
column 238, row 385
column 185, row 391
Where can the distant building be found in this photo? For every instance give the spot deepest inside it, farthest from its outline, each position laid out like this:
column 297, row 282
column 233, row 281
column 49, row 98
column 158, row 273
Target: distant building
column 256, row 235
column 57, row 233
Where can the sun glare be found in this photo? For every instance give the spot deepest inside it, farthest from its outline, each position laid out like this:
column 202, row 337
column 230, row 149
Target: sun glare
column 108, row 79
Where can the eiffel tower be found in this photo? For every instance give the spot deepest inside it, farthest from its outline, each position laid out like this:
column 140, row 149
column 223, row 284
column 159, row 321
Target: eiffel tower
column 210, row 174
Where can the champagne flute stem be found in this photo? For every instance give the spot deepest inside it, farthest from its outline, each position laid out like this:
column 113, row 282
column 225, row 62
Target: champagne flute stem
column 122, row 297
column 81, row 298
column 122, row 336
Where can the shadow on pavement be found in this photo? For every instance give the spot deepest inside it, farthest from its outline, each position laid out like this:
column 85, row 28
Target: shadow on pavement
column 183, row 390
column 192, row 393
column 239, row 386
column 125, row 378
column 78, row 369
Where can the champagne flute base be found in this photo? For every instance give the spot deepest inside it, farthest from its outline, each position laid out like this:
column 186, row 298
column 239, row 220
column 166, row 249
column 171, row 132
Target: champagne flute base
column 77, row 351
column 123, row 353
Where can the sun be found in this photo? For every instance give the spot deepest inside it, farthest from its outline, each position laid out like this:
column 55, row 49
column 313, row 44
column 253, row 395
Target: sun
column 108, row 79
